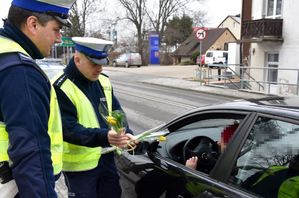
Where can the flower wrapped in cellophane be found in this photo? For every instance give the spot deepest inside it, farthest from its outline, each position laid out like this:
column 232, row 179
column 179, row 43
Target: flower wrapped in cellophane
column 147, row 136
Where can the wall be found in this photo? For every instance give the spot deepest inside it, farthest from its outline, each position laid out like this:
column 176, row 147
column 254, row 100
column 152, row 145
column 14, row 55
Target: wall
column 224, row 38
column 233, row 26
column 288, row 49
column 234, row 56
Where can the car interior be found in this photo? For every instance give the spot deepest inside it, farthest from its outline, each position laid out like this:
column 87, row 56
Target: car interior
column 199, row 136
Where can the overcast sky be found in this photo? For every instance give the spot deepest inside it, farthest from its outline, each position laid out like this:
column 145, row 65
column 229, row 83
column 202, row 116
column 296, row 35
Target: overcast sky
column 216, row 10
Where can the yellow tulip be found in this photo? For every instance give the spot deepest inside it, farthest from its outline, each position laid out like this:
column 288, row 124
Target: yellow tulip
column 111, row 120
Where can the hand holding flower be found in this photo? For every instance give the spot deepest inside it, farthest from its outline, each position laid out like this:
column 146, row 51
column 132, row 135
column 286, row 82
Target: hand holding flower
column 118, row 139
column 133, row 142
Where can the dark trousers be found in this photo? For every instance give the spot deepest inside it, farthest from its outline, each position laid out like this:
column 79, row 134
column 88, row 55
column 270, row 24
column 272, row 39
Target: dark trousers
column 100, row 182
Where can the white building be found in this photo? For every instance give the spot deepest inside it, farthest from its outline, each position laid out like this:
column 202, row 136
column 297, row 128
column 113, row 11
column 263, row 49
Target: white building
column 272, row 30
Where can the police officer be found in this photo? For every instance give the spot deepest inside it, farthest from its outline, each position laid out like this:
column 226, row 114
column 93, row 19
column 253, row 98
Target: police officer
column 86, row 97
column 29, row 32
column 276, row 181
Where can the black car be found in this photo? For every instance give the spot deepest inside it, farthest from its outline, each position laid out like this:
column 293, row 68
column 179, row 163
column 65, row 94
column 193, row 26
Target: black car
column 260, row 159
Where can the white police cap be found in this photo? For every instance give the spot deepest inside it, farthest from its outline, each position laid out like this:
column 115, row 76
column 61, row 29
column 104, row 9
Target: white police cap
column 56, row 8
column 95, row 49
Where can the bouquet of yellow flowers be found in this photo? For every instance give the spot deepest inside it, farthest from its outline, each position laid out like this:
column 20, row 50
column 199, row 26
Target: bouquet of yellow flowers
column 116, row 121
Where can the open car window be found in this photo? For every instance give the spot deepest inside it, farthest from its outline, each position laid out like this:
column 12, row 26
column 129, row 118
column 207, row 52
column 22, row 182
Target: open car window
column 269, row 158
column 209, row 125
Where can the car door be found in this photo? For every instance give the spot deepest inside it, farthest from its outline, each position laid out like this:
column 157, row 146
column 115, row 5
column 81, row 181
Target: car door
column 268, row 159
column 168, row 157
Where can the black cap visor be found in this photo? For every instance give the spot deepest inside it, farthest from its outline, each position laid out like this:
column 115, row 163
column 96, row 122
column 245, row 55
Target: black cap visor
column 65, row 22
column 62, row 18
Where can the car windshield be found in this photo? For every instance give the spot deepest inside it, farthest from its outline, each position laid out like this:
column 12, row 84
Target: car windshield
column 209, row 54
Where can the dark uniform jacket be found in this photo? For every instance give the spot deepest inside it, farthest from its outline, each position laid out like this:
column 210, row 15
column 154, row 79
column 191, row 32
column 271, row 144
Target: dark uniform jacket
column 73, row 132
column 24, row 107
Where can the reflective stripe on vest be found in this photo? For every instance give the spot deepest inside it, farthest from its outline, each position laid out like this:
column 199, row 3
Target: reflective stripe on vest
column 54, row 123
column 81, row 158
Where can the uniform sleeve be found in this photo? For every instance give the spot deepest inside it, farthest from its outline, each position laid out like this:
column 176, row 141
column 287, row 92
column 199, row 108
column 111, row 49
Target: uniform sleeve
column 24, row 104
column 75, row 133
column 116, row 106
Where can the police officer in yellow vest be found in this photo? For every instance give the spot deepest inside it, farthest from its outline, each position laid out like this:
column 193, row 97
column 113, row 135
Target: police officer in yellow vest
column 26, row 140
column 276, row 181
column 83, row 93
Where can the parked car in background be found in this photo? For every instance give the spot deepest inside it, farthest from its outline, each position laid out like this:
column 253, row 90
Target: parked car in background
column 262, row 141
column 200, row 61
column 215, row 57
column 127, row 60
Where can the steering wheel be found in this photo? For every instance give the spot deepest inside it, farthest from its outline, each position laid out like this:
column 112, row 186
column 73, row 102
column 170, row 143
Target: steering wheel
column 206, row 149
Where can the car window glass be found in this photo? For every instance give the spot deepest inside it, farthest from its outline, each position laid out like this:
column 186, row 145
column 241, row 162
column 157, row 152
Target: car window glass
column 209, row 54
column 268, row 164
column 211, row 126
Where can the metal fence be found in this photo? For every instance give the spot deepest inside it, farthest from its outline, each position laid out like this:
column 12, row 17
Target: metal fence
column 269, row 80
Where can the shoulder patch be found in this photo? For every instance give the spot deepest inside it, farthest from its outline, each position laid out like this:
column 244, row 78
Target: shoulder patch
column 14, row 59
column 24, row 57
column 60, row 80
column 9, row 59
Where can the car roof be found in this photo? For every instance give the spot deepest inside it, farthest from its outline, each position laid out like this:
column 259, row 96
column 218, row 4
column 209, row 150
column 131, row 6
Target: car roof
column 288, row 106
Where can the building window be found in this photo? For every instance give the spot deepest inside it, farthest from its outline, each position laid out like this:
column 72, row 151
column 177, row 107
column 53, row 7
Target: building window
column 225, row 47
column 272, row 67
column 273, row 9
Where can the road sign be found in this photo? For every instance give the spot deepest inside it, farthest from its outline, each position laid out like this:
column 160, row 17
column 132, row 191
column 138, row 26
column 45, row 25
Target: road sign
column 200, row 33
column 67, row 42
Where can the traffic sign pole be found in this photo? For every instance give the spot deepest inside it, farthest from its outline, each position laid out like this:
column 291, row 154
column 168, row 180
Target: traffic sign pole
column 200, row 34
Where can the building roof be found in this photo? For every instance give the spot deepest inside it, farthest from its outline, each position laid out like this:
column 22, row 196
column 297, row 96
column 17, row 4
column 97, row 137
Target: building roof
column 191, row 44
column 237, row 18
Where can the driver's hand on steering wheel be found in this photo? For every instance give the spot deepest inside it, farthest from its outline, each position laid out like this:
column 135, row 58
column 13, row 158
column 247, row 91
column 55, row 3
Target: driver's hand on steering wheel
column 192, row 162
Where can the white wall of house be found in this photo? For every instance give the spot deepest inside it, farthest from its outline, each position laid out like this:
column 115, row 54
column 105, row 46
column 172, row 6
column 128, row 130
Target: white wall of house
column 233, row 59
column 288, row 50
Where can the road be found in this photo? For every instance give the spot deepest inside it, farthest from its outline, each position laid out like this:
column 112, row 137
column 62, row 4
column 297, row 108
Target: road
column 147, row 105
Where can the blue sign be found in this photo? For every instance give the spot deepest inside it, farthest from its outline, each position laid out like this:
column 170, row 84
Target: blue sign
column 154, row 49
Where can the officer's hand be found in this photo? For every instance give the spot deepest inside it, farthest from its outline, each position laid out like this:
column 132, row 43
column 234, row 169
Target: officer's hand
column 120, row 140
column 133, row 141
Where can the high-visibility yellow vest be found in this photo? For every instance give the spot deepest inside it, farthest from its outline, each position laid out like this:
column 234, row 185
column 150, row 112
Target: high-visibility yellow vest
column 54, row 123
column 81, row 158
column 288, row 188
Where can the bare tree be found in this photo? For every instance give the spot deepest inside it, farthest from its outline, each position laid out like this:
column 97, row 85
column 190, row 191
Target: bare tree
column 166, row 9
column 79, row 16
column 135, row 12
column 199, row 19
column 141, row 17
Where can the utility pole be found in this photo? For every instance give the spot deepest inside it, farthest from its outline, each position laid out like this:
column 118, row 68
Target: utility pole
column 113, row 34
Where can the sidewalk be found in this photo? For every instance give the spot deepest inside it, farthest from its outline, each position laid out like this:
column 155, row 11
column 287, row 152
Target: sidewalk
column 182, row 77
